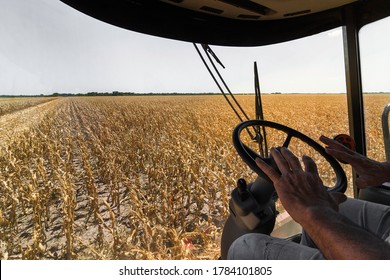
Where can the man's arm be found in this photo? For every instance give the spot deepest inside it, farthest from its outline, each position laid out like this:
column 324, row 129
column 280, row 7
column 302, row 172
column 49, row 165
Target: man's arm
column 339, row 238
column 371, row 173
column 307, row 201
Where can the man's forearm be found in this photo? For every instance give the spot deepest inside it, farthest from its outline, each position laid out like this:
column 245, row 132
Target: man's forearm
column 339, row 238
column 386, row 172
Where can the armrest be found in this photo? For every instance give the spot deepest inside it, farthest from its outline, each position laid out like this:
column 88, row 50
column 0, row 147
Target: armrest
column 379, row 194
column 386, row 186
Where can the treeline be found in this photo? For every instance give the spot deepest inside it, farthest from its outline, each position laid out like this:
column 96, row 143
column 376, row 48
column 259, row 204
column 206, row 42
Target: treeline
column 114, row 93
column 119, row 93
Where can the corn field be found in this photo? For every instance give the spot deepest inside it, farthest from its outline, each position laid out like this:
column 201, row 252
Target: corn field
column 140, row 177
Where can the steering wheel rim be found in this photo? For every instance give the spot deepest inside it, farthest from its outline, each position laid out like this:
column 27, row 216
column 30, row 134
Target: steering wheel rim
column 248, row 155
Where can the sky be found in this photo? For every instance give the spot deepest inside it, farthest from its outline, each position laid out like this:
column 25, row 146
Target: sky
column 47, row 46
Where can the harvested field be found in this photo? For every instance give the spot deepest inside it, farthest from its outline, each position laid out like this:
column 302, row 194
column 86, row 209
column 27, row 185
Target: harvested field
column 140, row 177
column 21, row 114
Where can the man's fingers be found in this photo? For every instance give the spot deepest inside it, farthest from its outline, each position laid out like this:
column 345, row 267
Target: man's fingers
column 280, row 161
column 268, row 170
column 342, row 156
column 310, row 165
column 292, row 160
column 335, row 145
column 328, row 141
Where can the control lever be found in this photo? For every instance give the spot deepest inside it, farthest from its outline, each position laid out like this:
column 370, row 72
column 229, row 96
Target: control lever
column 245, row 207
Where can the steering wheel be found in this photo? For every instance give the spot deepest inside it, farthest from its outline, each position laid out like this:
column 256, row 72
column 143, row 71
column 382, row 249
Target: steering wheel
column 249, row 156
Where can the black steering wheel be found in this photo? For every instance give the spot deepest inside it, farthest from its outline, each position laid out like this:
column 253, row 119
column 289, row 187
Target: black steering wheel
column 248, row 155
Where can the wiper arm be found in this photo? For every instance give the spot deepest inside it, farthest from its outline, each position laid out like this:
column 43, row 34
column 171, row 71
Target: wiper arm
column 210, row 51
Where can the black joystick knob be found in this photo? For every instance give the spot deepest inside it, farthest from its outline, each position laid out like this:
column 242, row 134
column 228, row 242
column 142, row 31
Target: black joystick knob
column 242, row 189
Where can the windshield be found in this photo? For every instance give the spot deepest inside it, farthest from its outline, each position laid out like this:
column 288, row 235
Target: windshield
column 375, row 59
column 118, row 145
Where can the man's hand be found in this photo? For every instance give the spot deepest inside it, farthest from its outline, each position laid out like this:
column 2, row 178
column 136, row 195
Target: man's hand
column 307, row 201
column 299, row 190
column 371, row 172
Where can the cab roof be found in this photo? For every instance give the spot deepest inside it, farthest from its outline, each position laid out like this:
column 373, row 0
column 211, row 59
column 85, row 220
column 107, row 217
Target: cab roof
column 231, row 22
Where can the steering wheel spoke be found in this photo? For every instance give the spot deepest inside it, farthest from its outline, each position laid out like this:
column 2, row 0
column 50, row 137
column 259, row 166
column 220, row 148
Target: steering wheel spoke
column 288, row 140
